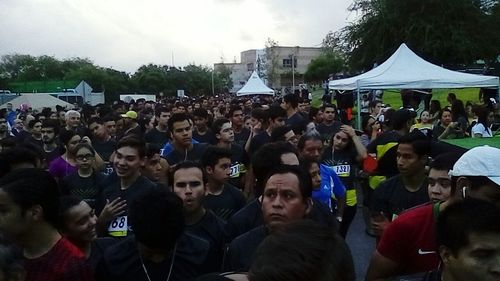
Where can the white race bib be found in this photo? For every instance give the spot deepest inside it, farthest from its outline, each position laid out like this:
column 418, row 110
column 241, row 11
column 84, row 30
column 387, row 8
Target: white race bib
column 235, row 171
column 342, row 170
column 118, row 227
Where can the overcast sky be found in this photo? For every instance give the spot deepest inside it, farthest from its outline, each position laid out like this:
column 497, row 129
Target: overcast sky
column 125, row 34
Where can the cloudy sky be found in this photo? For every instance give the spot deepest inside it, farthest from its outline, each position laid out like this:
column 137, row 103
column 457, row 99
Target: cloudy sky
column 124, row 34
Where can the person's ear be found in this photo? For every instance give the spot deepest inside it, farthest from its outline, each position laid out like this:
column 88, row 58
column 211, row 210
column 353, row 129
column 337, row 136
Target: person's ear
column 309, row 205
column 463, row 186
column 445, row 254
column 209, row 170
column 35, row 213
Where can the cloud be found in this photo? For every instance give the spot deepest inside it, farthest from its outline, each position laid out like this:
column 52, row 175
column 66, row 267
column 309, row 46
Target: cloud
column 125, row 34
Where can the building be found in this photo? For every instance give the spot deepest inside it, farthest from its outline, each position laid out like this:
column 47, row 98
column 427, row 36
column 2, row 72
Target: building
column 274, row 66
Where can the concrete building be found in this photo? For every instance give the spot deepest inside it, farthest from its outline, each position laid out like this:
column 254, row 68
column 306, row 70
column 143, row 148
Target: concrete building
column 274, row 67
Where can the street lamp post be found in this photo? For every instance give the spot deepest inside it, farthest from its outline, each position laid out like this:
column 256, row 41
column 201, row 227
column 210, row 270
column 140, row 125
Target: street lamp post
column 292, row 56
column 213, row 89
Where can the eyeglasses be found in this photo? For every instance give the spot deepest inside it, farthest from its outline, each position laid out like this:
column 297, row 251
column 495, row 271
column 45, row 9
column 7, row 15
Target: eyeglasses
column 84, row 157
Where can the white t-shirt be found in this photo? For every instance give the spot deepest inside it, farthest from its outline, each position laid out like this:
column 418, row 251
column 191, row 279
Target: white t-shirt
column 480, row 129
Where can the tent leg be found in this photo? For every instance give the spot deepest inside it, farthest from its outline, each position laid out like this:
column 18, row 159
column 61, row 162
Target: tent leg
column 358, row 114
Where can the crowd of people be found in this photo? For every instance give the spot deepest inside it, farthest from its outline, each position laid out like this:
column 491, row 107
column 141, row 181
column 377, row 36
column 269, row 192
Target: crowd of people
column 261, row 188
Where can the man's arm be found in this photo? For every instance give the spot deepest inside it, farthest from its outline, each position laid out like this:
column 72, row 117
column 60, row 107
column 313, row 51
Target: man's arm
column 380, row 268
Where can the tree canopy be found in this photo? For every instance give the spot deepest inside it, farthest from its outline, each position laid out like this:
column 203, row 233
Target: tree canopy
column 445, row 32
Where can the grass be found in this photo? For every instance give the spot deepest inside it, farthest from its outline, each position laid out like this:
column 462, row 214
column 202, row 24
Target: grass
column 393, row 98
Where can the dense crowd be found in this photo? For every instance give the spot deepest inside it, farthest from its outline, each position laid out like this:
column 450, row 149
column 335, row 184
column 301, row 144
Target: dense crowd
column 260, row 188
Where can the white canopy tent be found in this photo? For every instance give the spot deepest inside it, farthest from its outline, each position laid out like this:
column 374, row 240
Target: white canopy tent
column 405, row 70
column 37, row 101
column 255, row 86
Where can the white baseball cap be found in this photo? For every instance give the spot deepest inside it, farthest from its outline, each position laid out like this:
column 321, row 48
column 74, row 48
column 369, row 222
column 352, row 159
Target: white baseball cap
column 479, row 161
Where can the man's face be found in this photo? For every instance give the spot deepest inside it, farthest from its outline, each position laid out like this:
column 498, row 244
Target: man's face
column 163, row 119
column 204, row 104
column 48, row 135
column 37, row 127
column 319, row 116
column 277, row 122
column 13, row 223
column 111, row 127
column 376, row 109
column 152, row 168
column 182, row 133
column 312, row 149
column 73, row 120
column 329, row 114
column 285, row 105
column 282, row 201
column 315, row 175
column 84, row 158
column 98, row 130
column 188, row 185
column 408, row 161
column 446, row 118
column 237, row 119
column 302, row 107
column 80, row 222
column 248, row 104
column 479, row 260
column 200, row 122
column 18, row 124
column 220, row 171
column 226, row 133
column 3, row 125
column 439, row 187
column 127, row 162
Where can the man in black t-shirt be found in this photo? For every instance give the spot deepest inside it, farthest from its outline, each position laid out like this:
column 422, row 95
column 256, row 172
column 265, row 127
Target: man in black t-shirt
column 241, row 134
column 221, row 197
column 102, row 142
column 189, row 184
column 159, row 135
column 330, row 125
column 50, row 131
column 406, row 190
column 294, row 118
column 160, row 248
column 275, row 118
column 112, row 205
column 202, row 133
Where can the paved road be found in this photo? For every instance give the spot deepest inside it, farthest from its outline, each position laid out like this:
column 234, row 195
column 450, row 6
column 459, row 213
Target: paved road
column 361, row 244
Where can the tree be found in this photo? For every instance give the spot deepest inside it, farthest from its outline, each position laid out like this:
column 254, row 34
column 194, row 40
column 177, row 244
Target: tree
column 449, row 32
column 320, row 68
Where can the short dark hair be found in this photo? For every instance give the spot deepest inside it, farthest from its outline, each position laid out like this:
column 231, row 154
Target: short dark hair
column 302, row 140
column 460, row 219
column 160, row 110
column 32, row 123
column 213, row 154
column 418, row 141
column 217, row 124
column 187, row 165
column 305, row 182
column 330, row 105
column 177, row 117
column 17, row 155
column 265, row 158
column 374, row 103
column 445, row 161
column 259, row 114
column 321, row 253
column 278, row 134
column 65, row 136
column 152, row 149
column 50, row 123
column 31, row 186
column 201, row 113
column 134, row 142
column 65, row 203
column 150, row 207
column 233, row 109
column 313, row 111
column 97, row 120
column 275, row 111
column 292, row 99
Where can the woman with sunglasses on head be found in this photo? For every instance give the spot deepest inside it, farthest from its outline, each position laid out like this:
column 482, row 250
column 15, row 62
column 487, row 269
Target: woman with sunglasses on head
column 343, row 155
column 85, row 183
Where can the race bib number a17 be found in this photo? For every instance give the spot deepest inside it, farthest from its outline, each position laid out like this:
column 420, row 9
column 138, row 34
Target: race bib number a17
column 118, row 227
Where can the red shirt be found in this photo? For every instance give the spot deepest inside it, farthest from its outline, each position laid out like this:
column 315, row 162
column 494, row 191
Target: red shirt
column 410, row 241
column 63, row 262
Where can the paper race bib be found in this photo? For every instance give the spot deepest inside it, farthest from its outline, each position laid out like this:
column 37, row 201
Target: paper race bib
column 118, row 227
column 235, row 171
column 342, row 170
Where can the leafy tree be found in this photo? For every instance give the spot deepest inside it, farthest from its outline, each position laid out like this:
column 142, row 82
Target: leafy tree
column 449, row 32
column 320, row 68
column 272, row 61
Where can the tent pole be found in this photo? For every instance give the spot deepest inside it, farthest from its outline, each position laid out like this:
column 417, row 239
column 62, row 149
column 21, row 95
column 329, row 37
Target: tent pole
column 358, row 114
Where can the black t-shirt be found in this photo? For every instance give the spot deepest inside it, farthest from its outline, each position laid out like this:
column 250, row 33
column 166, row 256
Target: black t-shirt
column 241, row 137
column 98, row 247
column 258, row 141
column 51, row 155
column 207, row 137
column 194, row 154
column 32, row 141
column 343, row 163
column 239, row 164
column 210, row 228
column 391, row 197
column 121, row 262
column 326, row 131
column 156, row 137
column 240, row 253
column 224, row 205
column 386, row 164
column 105, row 148
column 119, row 226
column 87, row 189
column 297, row 122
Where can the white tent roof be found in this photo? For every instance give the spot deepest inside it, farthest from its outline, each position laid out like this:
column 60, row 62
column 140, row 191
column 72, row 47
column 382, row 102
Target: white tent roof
column 405, row 70
column 37, row 101
column 255, row 86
